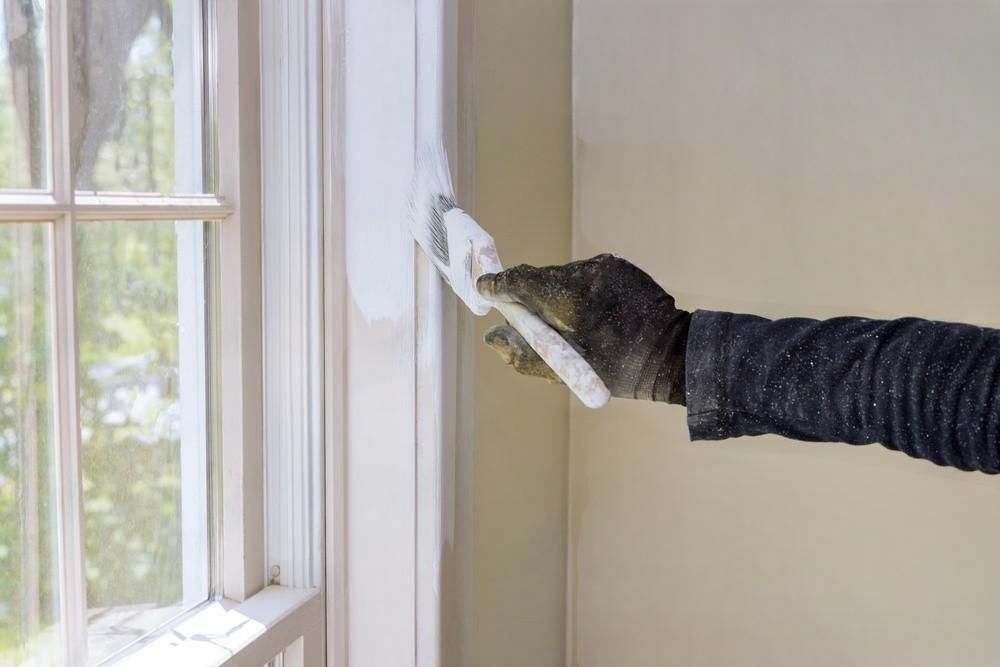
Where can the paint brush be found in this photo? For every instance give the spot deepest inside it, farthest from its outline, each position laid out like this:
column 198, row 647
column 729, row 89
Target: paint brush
column 462, row 251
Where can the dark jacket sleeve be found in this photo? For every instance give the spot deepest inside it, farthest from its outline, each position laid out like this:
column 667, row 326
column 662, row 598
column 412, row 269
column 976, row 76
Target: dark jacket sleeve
column 929, row 389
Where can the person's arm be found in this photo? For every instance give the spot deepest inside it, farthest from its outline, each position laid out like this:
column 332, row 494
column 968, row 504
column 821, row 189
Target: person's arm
column 929, row 389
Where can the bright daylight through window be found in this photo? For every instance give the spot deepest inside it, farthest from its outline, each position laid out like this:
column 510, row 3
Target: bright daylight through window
column 105, row 491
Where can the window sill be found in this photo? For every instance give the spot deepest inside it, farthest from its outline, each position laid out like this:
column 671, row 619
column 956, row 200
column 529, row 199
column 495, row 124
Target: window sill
column 112, row 628
column 230, row 634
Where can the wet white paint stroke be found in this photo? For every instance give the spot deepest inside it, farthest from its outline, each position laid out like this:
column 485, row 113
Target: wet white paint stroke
column 380, row 248
column 378, row 300
column 378, row 198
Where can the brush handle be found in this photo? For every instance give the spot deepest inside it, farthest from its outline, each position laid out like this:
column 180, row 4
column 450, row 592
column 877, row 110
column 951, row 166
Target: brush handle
column 558, row 354
column 472, row 253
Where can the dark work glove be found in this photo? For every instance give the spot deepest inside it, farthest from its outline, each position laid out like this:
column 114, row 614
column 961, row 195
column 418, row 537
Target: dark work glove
column 612, row 312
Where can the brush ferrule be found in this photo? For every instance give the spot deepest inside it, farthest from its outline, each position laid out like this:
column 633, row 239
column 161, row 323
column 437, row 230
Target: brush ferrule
column 471, row 253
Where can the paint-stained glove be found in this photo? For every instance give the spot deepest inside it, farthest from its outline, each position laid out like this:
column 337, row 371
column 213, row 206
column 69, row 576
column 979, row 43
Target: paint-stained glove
column 612, row 312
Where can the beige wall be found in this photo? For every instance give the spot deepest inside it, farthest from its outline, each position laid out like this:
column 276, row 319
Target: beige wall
column 523, row 190
column 785, row 157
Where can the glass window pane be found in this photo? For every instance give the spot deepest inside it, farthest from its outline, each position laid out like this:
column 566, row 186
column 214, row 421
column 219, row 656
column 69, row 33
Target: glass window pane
column 29, row 595
column 137, row 95
column 141, row 304
column 23, row 132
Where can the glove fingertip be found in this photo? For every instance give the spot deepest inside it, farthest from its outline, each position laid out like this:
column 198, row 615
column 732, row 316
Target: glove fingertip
column 486, row 285
column 496, row 335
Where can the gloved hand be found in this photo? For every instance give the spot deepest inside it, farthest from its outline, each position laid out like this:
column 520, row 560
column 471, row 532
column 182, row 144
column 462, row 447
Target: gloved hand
column 612, row 312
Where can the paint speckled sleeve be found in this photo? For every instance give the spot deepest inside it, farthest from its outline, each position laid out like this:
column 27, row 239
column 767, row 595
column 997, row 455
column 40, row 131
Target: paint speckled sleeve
column 929, row 389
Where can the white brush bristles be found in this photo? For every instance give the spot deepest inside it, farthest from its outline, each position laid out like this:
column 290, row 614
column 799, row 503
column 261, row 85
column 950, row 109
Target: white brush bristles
column 433, row 196
column 460, row 249
column 434, row 175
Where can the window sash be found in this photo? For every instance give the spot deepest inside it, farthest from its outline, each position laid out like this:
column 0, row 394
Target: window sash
column 233, row 53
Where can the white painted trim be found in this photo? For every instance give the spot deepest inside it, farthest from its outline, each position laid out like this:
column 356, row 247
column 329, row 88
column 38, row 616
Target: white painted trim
column 194, row 376
column 380, row 359
column 335, row 295
column 436, row 380
column 445, row 374
column 292, row 269
column 227, row 634
column 97, row 207
column 399, row 353
column 195, row 439
column 133, row 207
column 240, row 345
column 29, row 207
column 60, row 103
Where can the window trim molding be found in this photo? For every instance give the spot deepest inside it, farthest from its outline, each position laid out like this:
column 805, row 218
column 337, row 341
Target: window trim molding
column 291, row 145
column 240, row 312
column 334, row 333
column 408, row 358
